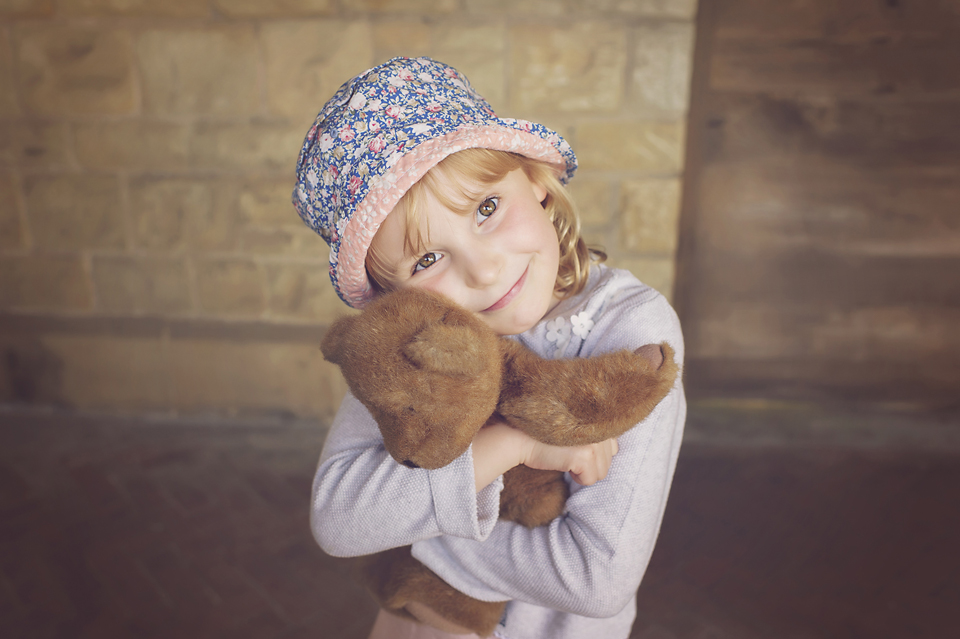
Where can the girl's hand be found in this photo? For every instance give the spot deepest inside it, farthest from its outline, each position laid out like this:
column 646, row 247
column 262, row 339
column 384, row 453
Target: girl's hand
column 498, row 447
column 586, row 464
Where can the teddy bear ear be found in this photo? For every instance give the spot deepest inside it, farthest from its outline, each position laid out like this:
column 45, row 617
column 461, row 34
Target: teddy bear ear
column 446, row 349
column 332, row 343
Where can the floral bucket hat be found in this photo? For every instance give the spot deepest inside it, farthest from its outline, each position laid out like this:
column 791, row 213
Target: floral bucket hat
column 378, row 135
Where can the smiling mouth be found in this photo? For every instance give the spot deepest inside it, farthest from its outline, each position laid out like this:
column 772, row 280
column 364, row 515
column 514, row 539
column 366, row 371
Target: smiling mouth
column 512, row 293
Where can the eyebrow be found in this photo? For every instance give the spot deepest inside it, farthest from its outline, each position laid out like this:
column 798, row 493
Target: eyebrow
column 461, row 200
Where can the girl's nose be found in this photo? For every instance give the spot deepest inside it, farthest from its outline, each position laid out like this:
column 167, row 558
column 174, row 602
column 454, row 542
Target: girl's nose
column 482, row 267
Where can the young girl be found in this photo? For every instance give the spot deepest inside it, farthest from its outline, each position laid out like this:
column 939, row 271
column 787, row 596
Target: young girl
column 414, row 182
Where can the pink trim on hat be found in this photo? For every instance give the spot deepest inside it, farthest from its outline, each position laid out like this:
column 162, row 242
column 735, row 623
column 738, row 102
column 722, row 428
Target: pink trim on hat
column 386, row 190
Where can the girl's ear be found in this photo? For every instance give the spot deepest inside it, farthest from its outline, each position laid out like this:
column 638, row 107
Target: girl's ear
column 539, row 190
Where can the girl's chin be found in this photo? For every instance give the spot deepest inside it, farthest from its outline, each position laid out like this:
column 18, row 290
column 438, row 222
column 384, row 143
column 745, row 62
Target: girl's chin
column 516, row 322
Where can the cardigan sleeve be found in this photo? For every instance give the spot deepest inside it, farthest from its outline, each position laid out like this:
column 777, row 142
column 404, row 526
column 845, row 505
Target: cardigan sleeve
column 364, row 502
column 590, row 560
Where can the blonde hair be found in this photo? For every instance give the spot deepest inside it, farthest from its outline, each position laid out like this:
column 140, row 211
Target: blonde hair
column 486, row 167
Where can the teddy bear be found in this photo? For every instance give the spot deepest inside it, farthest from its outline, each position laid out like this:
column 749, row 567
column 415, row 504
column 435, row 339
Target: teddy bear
column 432, row 374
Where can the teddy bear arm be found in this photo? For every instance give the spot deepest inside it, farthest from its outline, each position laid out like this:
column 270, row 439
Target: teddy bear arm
column 573, row 402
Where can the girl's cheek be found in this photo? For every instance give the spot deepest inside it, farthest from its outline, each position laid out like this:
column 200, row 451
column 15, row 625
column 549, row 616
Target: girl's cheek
column 519, row 227
column 508, row 222
column 428, row 285
column 434, row 282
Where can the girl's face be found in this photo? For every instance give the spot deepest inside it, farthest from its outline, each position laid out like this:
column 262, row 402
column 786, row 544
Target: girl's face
column 499, row 261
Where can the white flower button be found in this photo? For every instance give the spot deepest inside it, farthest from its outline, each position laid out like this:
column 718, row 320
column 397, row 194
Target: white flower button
column 557, row 330
column 581, row 324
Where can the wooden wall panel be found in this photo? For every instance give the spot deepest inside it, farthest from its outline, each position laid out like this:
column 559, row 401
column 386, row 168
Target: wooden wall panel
column 846, row 20
column 853, row 210
column 820, row 234
column 883, row 65
column 810, row 131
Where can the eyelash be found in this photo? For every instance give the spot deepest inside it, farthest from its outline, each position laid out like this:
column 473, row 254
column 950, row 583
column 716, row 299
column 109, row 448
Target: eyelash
column 480, row 219
column 419, row 266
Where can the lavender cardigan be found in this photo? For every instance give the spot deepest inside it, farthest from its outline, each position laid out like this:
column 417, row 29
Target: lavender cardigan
column 575, row 578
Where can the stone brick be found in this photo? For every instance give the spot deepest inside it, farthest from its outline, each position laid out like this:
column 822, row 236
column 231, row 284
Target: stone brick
column 44, row 282
column 8, row 94
column 199, row 72
column 68, row 70
column 576, row 69
column 71, row 212
column 258, row 145
column 478, row 53
column 158, row 211
column 650, row 214
column 11, row 231
column 268, row 223
column 141, row 284
column 395, row 38
column 275, row 8
column 532, row 8
column 254, row 377
column 26, row 8
column 266, row 202
column 662, row 63
column 230, row 286
column 420, row 7
column 657, row 272
column 289, row 240
column 652, row 147
column 218, row 214
column 175, row 214
column 138, row 8
column 307, row 61
column 594, row 200
column 684, row 9
column 111, row 372
column 303, row 291
column 33, row 145
column 133, row 145
column 31, row 371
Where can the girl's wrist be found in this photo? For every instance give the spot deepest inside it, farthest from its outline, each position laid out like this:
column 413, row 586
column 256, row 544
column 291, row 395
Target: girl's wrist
column 496, row 449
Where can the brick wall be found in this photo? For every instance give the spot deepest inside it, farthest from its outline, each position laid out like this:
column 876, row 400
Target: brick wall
column 150, row 259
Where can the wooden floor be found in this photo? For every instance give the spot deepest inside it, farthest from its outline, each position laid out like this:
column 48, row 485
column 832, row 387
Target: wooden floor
column 819, row 252
column 115, row 529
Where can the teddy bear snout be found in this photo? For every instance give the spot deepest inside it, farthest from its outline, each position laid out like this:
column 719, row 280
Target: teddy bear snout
column 418, row 445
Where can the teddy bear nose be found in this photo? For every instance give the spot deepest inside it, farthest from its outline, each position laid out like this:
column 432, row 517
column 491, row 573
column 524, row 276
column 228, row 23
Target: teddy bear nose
column 410, row 464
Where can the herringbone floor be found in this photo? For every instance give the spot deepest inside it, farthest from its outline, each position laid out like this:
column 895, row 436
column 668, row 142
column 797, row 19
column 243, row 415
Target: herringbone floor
column 133, row 528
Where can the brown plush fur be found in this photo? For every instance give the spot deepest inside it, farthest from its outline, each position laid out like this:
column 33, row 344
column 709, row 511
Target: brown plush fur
column 396, row 580
column 432, row 374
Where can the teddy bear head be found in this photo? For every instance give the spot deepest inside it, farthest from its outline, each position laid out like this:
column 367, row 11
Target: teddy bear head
column 427, row 371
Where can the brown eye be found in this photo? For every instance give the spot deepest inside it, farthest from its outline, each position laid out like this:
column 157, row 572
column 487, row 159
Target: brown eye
column 428, row 260
column 487, row 209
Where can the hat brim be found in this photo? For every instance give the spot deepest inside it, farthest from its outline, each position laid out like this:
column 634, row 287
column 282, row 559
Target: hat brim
column 384, row 193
